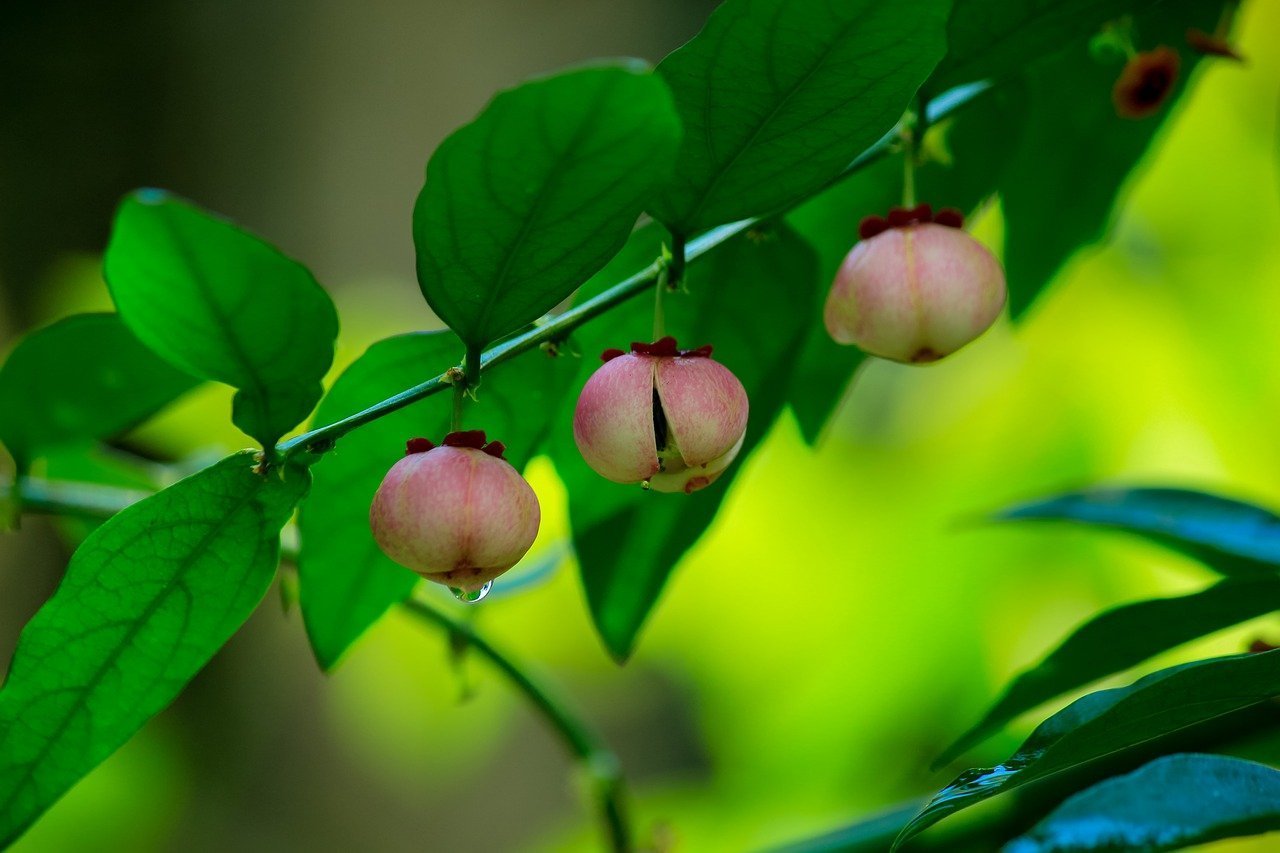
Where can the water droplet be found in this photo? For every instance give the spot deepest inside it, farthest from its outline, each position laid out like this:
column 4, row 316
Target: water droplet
column 471, row 596
column 644, row 484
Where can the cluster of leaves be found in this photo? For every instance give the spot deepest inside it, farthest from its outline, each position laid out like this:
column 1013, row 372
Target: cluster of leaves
column 754, row 148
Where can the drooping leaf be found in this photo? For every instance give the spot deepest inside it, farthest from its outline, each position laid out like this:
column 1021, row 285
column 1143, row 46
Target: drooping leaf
column 523, row 204
column 1054, row 204
column 1121, row 638
column 1171, row 803
column 222, row 305
column 346, row 582
column 742, row 300
column 778, row 96
column 147, row 600
column 991, row 39
column 81, row 379
column 1112, row 721
column 968, row 152
column 1229, row 536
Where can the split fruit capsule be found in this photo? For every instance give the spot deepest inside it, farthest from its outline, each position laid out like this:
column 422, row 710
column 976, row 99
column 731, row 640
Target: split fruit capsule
column 668, row 418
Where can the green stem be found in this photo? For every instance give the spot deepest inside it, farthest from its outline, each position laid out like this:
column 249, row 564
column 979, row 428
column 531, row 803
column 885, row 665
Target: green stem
column 596, row 760
column 459, row 396
column 320, row 440
column 909, row 172
column 659, row 319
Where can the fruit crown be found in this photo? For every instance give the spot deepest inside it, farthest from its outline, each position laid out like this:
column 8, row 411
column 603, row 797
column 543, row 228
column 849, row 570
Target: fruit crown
column 901, row 217
column 472, row 438
column 661, row 348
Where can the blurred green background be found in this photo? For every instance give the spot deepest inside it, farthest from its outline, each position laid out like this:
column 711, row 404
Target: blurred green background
column 847, row 615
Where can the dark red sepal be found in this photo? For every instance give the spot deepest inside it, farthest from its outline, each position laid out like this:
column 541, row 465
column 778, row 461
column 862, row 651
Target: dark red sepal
column 1259, row 645
column 870, row 226
column 417, row 445
column 949, row 217
column 473, row 438
column 900, row 217
column 610, row 354
column 1212, row 45
column 661, row 348
column 495, row 448
column 668, row 348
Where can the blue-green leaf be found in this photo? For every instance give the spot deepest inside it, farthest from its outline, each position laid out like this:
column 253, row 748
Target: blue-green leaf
column 221, row 304
column 1113, row 721
column 523, row 204
column 1168, row 804
column 1121, row 638
column 1229, row 536
column 146, row 601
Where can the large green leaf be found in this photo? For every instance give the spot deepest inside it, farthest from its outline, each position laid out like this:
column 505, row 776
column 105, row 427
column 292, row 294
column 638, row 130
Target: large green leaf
column 147, row 600
column 223, row 305
column 346, row 582
column 1055, row 204
column 1169, row 804
column 1231, row 537
column 85, row 377
column 963, row 170
column 1111, row 721
column 989, row 39
column 742, row 300
column 523, row 204
column 1121, row 638
column 778, row 96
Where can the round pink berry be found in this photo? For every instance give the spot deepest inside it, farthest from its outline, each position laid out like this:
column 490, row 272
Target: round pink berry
column 457, row 515
column 915, row 293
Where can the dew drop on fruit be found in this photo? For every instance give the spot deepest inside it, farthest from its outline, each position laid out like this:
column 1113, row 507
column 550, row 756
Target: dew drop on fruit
column 471, row 596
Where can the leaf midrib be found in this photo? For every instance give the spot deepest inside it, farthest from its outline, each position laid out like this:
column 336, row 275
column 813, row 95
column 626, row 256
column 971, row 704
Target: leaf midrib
column 759, row 128
column 554, row 176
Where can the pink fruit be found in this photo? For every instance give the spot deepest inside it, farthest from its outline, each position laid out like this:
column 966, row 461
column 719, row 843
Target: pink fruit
column 916, row 288
column 671, row 418
column 458, row 514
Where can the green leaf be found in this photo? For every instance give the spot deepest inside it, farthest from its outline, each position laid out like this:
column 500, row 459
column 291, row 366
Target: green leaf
column 1111, row 721
column 1229, row 536
column 526, row 202
column 741, row 300
column 1169, row 804
column 346, row 581
column 1121, row 638
column 222, row 305
column 147, row 600
column 990, row 39
column 778, row 96
column 969, row 152
column 1055, row 204
column 78, row 380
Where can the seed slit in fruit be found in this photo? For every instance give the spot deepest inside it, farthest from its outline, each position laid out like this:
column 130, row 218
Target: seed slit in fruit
column 660, row 432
